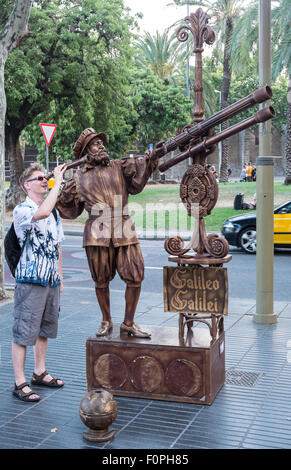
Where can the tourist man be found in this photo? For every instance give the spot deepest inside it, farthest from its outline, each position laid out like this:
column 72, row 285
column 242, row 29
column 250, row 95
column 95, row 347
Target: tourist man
column 38, row 278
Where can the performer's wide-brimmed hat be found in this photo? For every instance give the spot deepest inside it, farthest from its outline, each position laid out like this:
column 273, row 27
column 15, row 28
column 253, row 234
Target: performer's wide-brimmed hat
column 85, row 138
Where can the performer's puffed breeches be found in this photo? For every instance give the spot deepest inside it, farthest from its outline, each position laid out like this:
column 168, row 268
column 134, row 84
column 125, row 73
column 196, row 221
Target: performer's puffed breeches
column 105, row 261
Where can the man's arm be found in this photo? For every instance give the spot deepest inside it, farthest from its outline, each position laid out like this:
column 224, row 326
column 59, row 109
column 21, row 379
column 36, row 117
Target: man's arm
column 49, row 203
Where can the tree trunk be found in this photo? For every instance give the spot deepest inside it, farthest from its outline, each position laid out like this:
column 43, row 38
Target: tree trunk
column 15, row 194
column 287, row 153
column 2, row 172
column 156, row 175
column 223, row 177
column 14, row 31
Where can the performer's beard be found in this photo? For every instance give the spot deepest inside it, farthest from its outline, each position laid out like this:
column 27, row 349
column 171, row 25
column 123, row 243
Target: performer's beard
column 100, row 158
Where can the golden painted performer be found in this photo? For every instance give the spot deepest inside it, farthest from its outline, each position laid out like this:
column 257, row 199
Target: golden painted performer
column 101, row 187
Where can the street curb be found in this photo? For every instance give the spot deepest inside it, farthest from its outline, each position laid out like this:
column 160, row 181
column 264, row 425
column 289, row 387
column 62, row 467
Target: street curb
column 140, row 237
column 74, row 232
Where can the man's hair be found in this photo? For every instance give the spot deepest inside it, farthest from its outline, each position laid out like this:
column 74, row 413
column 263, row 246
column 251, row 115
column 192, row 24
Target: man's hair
column 36, row 166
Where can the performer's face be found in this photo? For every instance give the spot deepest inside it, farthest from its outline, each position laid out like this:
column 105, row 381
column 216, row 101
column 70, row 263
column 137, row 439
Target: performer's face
column 97, row 150
column 96, row 147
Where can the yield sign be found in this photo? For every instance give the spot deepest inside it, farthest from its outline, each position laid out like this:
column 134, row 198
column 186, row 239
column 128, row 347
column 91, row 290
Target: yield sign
column 48, row 131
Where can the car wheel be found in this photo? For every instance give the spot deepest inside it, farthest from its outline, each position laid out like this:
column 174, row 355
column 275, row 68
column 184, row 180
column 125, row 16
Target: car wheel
column 248, row 240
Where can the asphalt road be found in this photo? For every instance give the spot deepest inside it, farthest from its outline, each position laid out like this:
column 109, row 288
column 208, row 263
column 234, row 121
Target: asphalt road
column 241, row 270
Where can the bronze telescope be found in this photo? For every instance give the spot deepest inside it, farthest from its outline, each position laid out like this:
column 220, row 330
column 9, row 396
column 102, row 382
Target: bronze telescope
column 258, row 96
column 261, row 116
column 69, row 166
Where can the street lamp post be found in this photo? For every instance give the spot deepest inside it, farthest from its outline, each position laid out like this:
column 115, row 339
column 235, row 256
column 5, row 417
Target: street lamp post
column 265, row 186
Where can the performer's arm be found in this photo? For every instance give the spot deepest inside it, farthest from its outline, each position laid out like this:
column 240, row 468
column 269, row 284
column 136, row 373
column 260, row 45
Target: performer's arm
column 68, row 202
column 137, row 171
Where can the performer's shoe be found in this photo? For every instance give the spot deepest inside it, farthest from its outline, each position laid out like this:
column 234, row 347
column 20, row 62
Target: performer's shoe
column 104, row 329
column 134, row 330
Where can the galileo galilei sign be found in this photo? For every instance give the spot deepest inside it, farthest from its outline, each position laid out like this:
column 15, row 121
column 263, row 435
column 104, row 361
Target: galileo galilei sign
column 191, row 289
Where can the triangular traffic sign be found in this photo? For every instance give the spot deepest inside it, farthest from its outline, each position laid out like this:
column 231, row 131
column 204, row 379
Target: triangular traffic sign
column 48, row 131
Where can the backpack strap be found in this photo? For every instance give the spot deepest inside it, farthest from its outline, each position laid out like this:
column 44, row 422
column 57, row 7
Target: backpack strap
column 54, row 211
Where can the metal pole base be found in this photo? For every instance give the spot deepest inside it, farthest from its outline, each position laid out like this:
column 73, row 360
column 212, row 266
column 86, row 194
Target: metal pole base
column 99, row 435
column 265, row 318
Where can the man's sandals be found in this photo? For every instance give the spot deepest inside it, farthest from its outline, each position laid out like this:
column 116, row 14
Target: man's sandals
column 19, row 393
column 38, row 380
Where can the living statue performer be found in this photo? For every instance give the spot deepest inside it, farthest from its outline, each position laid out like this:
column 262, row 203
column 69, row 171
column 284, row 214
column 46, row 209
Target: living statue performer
column 101, row 187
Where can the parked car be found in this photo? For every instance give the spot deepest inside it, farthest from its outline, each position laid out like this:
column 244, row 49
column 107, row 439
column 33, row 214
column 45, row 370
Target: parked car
column 240, row 230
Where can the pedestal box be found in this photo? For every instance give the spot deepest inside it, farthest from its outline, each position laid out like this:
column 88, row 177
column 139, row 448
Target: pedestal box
column 165, row 367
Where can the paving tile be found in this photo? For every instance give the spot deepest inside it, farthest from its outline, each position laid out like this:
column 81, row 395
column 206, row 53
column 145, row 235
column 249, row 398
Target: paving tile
column 240, row 417
column 266, row 442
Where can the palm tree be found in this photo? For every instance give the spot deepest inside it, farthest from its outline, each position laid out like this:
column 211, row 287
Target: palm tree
column 245, row 39
column 161, row 51
column 282, row 61
column 287, row 152
column 225, row 13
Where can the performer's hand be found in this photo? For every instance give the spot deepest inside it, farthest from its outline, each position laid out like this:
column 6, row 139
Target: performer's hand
column 61, row 286
column 151, row 154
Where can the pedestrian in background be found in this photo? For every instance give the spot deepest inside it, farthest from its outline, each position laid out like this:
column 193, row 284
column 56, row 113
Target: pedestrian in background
column 214, row 172
column 243, row 174
column 254, row 173
column 249, row 171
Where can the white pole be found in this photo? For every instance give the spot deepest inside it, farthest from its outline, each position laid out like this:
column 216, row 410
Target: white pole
column 47, row 159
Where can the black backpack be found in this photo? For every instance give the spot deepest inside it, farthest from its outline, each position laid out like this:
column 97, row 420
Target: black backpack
column 238, row 201
column 13, row 250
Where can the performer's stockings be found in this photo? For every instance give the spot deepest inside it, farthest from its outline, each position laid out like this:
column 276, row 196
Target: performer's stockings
column 103, row 297
column 131, row 299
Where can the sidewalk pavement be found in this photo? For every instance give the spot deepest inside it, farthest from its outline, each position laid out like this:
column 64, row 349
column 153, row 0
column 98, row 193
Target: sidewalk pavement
column 76, row 230
column 251, row 411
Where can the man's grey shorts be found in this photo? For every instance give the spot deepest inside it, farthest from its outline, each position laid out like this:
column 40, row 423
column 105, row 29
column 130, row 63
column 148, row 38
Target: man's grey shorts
column 36, row 312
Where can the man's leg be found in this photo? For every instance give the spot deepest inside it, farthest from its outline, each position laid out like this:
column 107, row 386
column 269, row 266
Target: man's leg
column 103, row 297
column 101, row 261
column 18, row 360
column 47, row 329
column 128, row 326
column 130, row 267
column 132, row 294
column 40, row 350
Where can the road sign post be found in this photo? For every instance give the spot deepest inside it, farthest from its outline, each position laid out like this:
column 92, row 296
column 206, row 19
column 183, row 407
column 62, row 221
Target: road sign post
column 48, row 131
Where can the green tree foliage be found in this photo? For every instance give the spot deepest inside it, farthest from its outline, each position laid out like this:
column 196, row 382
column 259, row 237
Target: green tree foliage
column 247, row 82
column 245, row 38
column 74, row 71
column 161, row 51
column 224, row 14
column 6, row 7
column 244, row 45
column 162, row 108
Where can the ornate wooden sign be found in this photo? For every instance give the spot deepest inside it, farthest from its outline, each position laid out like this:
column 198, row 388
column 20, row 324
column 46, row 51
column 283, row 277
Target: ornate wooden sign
column 196, row 290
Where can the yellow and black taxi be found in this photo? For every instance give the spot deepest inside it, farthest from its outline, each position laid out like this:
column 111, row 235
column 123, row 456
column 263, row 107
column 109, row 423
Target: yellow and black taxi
column 240, row 230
